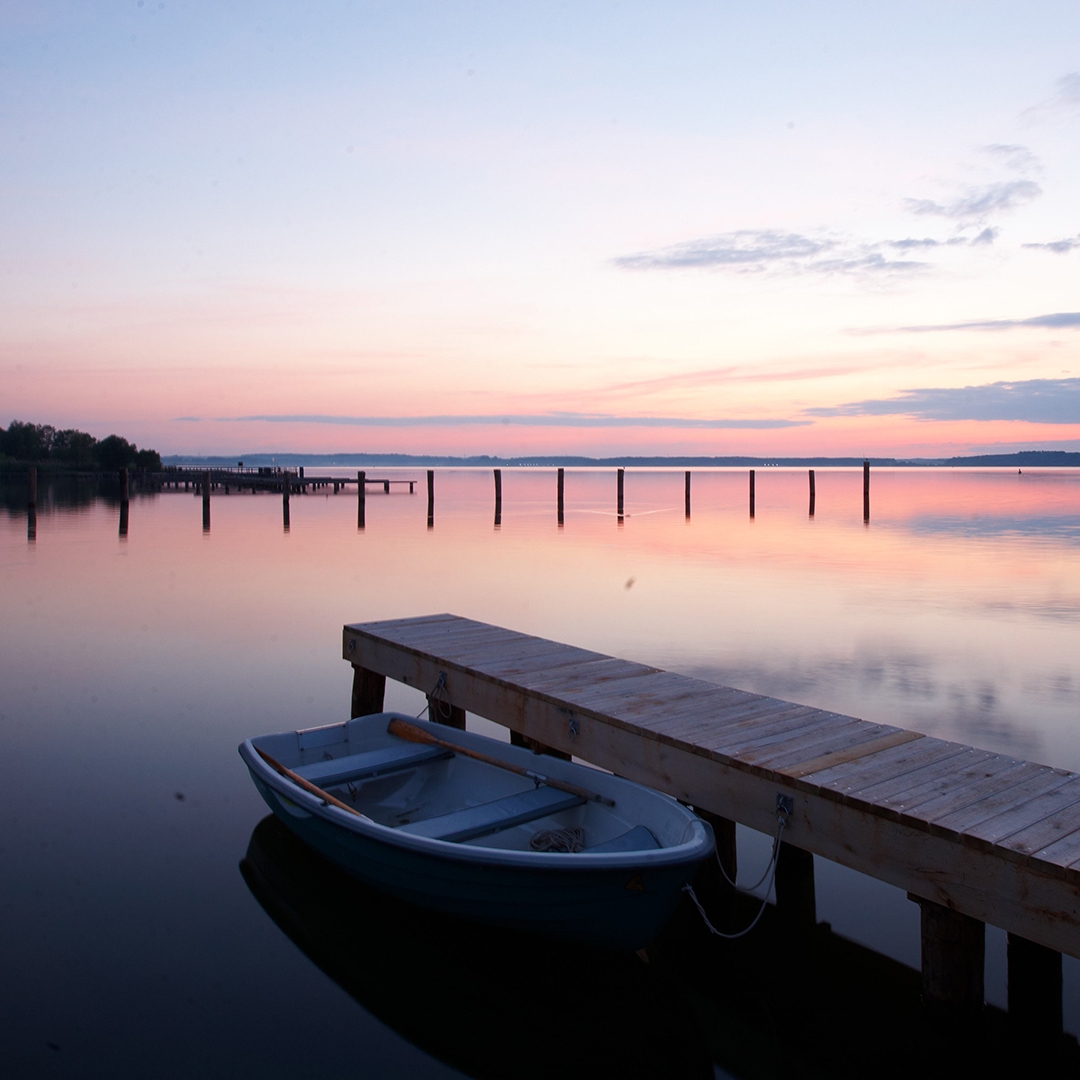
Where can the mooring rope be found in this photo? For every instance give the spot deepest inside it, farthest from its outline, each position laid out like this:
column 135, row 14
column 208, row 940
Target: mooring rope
column 439, row 697
column 770, row 873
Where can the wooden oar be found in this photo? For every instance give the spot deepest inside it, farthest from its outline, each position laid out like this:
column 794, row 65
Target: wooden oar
column 413, row 733
column 308, row 786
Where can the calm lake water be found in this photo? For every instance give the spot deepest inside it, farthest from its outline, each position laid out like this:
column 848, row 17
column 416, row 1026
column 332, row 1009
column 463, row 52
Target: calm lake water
column 130, row 669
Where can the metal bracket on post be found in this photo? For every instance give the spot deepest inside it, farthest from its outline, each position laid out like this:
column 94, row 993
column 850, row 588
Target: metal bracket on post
column 785, row 807
column 572, row 729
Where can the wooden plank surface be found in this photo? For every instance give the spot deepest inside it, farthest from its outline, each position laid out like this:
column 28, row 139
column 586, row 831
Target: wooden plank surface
column 989, row 835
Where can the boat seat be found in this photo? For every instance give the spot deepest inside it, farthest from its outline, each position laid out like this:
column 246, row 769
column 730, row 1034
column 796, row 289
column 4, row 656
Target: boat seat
column 495, row 816
column 636, row 839
column 369, row 763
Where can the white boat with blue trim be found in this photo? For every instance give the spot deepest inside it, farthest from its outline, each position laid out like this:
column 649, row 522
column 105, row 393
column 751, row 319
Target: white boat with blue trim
column 455, row 821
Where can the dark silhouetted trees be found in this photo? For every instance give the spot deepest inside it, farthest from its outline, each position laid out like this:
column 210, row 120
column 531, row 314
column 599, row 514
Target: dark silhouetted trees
column 40, row 443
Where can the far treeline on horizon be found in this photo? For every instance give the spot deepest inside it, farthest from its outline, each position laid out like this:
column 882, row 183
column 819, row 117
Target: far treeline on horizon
column 24, row 444
column 44, row 445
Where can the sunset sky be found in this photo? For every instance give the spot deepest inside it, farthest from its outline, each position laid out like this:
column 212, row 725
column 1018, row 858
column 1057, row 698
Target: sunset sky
column 621, row 228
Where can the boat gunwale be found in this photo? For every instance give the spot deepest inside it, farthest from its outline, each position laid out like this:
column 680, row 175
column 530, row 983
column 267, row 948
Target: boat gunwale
column 698, row 847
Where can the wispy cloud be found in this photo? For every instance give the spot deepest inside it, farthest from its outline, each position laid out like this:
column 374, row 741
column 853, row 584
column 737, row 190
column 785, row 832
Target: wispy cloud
column 558, row 419
column 1065, row 99
column 757, row 250
column 1013, row 156
column 1040, row 401
column 977, row 204
column 1058, row 247
column 1059, row 320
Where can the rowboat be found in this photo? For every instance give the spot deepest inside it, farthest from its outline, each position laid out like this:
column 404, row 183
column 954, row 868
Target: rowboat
column 460, row 823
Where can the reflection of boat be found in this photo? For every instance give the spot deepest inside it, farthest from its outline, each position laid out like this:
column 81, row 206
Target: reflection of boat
column 435, row 826
column 487, row 1001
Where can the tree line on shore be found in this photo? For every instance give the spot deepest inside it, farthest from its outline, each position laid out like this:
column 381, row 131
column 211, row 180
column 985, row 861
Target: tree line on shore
column 42, row 444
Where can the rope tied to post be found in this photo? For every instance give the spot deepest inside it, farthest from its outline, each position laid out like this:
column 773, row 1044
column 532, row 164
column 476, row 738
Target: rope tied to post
column 783, row 813
column 439, row 698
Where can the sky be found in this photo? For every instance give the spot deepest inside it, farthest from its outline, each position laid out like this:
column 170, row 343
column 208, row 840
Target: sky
column 618, row 228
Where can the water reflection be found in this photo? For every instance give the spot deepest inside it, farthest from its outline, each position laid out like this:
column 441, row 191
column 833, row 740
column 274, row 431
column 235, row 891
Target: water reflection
column 488, row 1002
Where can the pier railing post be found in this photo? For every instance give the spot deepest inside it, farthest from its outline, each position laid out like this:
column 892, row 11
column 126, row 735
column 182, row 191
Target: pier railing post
column 751, row 492
column 953, row 958
column 361, row 498
column 368, row 691
column 688, row 493
column 1035, row 986
column 560, row 499
column 431, row 498
column 813, row 492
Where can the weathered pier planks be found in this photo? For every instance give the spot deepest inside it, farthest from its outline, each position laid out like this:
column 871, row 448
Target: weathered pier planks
column 973, row 836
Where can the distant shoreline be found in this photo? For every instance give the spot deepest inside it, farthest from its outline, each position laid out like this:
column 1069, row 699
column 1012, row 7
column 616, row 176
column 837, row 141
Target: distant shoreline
column 1031, row 458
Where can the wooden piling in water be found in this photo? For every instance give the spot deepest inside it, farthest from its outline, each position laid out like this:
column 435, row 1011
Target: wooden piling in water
column 560, row 496
column 751, row 492
column 796, row 901
column 1035, row 986
column 285, row 499
column 123, row 486
column 688, row 493
column 31, row 488
column 368, row 691
column 124, row 503
column 866, row 490
column 620, row 492
column 361, row 498
column 431, row 498
column 206, row 501
column 953, row 956
column 812, row 493
column 498, row 497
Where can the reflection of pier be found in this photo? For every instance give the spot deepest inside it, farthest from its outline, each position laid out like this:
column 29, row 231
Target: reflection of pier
column 972, row 836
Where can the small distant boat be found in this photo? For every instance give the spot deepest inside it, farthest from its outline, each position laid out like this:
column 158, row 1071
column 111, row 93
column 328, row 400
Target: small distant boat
column 464, row 824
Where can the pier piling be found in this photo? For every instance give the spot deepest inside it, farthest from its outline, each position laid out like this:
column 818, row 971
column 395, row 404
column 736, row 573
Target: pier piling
column 285, row 500
column 796, row 902
column 206, row 501
column 498, row 498
column 751, row 492
column 1035, row 987
column 953, row 952
column 812, row 493
column 866, row 490
column 560, row 497
column 431, row 498
column 368, row 691
column 31, row 488
column 361, row 498
column 687, row 493
column 620, row 493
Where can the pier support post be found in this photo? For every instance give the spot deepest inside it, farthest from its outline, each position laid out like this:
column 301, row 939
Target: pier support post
column 560, row 497
column 711, row 888
column 866, row 490
column 751, row 492
column 813, row 492
column 361, row 498
column 31, row 504
column 620, row 493
column 368, row 691
column 1034, row 989
column 688, row 494
column 536, row 746
column 431, row 498
column 442, row 712
column 206, row 501
column 796, row 901
column 285, row 499
column 498, row 497
column 953, row 956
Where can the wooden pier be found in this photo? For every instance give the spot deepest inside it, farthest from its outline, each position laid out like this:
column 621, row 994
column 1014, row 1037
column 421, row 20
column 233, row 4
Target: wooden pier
column 973, row 836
